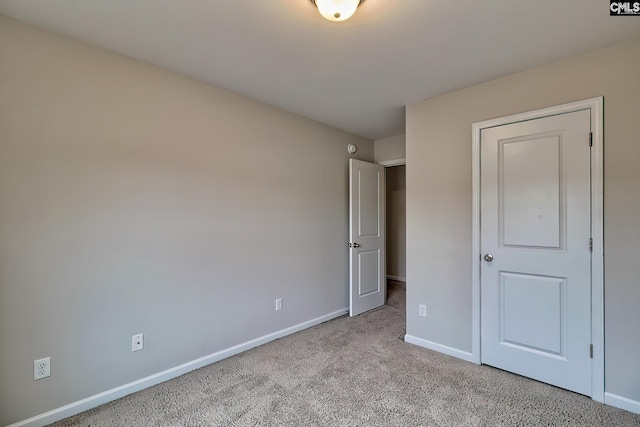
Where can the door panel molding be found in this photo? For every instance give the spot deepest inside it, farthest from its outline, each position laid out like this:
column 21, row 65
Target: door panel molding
column 595, row 107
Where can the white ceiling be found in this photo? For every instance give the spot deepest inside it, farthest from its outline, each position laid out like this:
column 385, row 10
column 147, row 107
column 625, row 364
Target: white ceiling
column 356, row 75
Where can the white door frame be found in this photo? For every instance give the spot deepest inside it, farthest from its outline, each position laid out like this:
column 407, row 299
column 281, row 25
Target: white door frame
column 389, row 164
column 595, row 105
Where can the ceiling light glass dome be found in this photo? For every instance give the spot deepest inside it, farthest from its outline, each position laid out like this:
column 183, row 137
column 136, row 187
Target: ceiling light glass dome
column 337, row 10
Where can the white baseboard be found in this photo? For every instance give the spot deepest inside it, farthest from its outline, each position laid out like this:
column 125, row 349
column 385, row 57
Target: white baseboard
column 622, row 403
column 450, row 351
column 397, row 278
column 132, row 387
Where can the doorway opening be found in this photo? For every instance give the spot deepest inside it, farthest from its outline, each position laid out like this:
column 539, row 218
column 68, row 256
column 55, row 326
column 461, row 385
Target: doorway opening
column 377, row 221
column 396, row 222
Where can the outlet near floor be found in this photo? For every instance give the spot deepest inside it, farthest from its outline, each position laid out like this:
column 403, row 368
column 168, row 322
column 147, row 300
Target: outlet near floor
column 422, row 310
column 278, row 304
column 137, row 342
column 41, row 368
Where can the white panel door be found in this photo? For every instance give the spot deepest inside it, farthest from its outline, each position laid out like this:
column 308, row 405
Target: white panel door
column 536, row 266
column 366, row 236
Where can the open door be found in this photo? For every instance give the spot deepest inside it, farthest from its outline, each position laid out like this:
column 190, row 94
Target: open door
column 366, row 236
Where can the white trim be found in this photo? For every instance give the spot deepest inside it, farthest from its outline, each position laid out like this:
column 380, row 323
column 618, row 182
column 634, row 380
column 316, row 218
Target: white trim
column 622, row 403
column 597, row 257
column 396, row 162
column 450, row 351
column 132, row 387
column 397, row 278
column 475, row 245
column 595, row 105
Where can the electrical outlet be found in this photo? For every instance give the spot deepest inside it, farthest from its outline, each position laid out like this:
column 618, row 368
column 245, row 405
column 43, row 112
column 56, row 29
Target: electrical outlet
column 41, row 368
column 422, row 310
column 137, row 342
column 278, row 304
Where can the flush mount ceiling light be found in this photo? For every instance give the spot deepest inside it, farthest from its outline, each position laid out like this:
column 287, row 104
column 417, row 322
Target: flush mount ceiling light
column 337, row 10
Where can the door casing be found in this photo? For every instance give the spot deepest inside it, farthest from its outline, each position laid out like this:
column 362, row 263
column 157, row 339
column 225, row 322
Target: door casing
column 595, row 106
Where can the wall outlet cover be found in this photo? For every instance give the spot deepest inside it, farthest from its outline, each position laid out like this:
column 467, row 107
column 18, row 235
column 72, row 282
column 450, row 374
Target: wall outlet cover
column 41, row 368
column 137, row 342
column 422, row 310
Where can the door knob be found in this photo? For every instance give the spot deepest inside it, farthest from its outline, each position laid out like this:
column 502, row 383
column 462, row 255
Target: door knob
column 356, row 245
column 488, row 257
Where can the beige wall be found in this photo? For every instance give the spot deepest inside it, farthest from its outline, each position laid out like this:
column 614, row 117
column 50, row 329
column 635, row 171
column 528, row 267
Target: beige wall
column 439, row 197
column 389, row 148
column 134, row 200
column 396, row 221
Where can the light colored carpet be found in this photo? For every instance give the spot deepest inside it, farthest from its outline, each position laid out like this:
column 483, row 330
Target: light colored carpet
column 352, row 371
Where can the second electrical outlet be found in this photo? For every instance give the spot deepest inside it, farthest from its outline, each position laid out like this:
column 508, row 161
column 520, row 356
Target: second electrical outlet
column 41, row 368
column 278, row 304
column 422, row 310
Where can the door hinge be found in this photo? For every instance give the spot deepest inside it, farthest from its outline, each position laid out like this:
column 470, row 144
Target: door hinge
column 590, row 244
column 590, row 139
column 591, row 351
